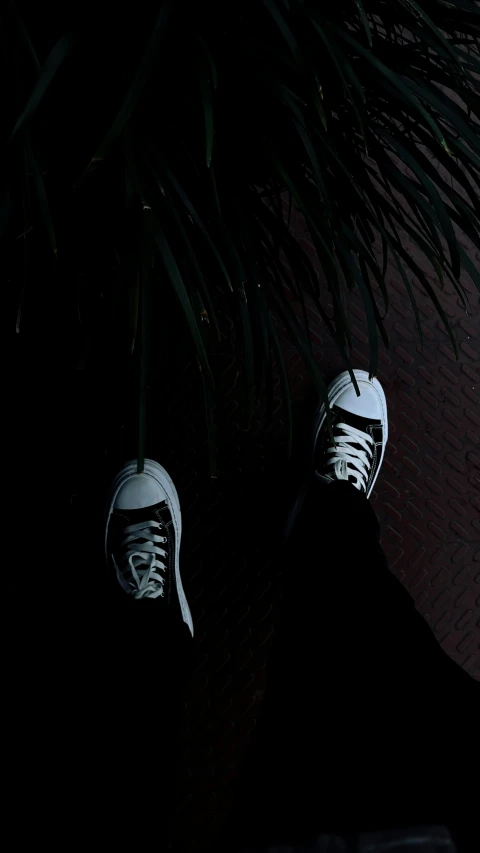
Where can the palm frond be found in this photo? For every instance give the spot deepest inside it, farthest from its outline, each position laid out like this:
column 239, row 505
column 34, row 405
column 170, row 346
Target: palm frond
column 364, row 114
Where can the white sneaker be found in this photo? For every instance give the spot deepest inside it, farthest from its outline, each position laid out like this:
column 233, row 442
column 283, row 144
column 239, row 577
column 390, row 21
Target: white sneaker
column 360, row 430
column 143, row 533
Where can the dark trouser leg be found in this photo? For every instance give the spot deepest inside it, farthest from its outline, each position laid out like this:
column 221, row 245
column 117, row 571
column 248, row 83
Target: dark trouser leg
column 367, row 723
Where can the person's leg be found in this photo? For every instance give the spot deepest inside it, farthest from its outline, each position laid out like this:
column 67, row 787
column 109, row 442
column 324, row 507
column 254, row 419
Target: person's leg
column 147, row 648
column 363, row 710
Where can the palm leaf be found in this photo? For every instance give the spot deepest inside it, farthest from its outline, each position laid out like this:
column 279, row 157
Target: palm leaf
column 53, row 62
column 434, row 196
column 198, row 221
column 173, row 273
column 146, row 266
column 287, row 316
column 285, row 389
column 364, row 115
column 24, row 35
column 282, row 26
column 5, row 210
column 249, row 362
column 363, row 17
column 42, row 196
column 135, row 90
column 206, row 93
column 186, row 241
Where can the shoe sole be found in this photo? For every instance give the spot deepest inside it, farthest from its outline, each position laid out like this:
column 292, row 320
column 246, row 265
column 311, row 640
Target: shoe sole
column 335, row 390
column 159, row 474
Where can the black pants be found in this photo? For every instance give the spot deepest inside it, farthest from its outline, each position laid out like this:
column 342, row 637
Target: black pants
column 366, row 724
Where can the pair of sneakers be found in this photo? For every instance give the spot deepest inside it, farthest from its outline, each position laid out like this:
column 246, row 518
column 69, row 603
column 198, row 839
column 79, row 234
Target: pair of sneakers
column 144, row 522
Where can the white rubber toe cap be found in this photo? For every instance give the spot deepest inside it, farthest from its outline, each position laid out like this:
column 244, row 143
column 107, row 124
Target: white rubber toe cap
column 139, row 491
column 368, row 405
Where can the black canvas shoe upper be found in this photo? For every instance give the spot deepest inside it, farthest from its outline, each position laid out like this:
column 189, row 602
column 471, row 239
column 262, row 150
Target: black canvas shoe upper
column 373, row 430
column 120, row 544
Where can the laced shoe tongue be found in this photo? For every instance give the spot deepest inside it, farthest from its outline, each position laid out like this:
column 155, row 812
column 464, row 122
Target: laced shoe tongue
column 141, row 559
column 340, row 434
column 340, row 467
column 341, row 470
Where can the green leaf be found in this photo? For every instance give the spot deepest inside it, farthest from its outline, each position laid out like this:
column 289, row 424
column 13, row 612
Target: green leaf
column 303, row 344
column 134, row 92
column 213, row 182
column 210, row 60
column 170, row 265
column 296, row 282
column 367, row 258
column 431, row 223
column 54, row 60
column 204, row 230
column 445, row 108
column 42, row 196
column 430, row 292
column 408, row 189
column 5, row 210
column 450, row 164
column 284, row 385
column 433, row 194
column 415, row 200
column 134, row 310
column 309, row 148
column 364, row 274
column 248, row 344
column 145, row 276
column 206, row 93
column 368, row 305
column 470, row 268
column 398, row 88
column 330, row 266
column 364, row 19
column 345, row 70
column 407, row 284
column 469, row 158
column 442, row 41
column 180, row 291
column 189, row 253
column 24, row 35
column 282, row 26
column 262, row 315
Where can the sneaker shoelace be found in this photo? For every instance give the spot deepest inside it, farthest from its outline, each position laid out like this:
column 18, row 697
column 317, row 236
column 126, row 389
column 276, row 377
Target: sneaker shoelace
column 351, row 456
column 143, row 559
